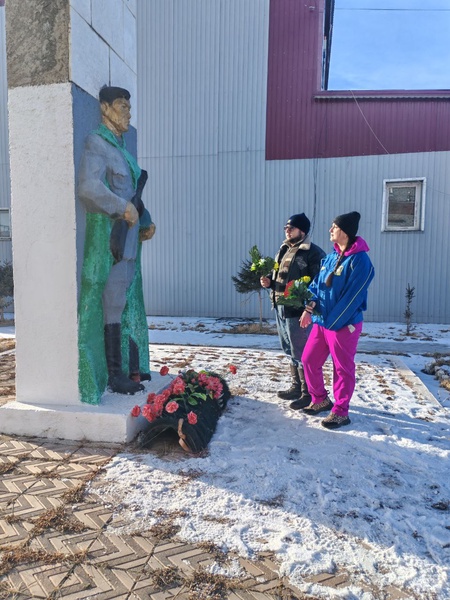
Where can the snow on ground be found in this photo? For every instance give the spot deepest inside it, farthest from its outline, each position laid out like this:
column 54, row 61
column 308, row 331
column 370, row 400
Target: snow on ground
column 371, row 500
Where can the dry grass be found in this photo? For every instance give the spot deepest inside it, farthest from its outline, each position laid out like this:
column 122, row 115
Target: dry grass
column 250, row 328
column 238, row 391
column 191, row 473
column 6, row 468
column 276, row 502
column 206, row 586
column 7, row 344
column 213, row 519
column 166, row 577
column 10, row 592
column 166, row 528
column 217, row 553
column 56, row 518
column 19, row 555
column 284, row 593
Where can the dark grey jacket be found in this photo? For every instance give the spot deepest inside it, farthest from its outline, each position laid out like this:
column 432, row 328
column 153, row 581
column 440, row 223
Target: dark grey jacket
column 306, row 262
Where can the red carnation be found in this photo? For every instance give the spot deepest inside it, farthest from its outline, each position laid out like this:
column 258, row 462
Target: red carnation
column 135, row 411
column 288, row 288
column 164, row 370
column 166, row 394
column 172, row 406
column 151, row 397
column 192, row 418
column 233, row 369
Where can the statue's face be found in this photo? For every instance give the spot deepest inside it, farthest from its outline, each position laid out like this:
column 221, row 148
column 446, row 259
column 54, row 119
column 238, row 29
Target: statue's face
column 117, row 116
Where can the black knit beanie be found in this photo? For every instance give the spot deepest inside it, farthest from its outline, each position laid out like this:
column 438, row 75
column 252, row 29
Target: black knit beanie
column 348, row 223
column 300, row 221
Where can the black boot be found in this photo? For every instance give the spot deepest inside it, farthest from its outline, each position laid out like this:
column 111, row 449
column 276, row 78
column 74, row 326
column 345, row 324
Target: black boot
column 135, row 374
column 305, row 396
column 117, row 380
column 296, row 388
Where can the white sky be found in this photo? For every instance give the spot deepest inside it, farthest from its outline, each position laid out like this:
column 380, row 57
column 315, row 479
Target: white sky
column 371, row 499
column 383, row 48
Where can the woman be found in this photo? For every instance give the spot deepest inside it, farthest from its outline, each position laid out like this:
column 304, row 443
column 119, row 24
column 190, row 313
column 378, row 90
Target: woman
column 339, row 299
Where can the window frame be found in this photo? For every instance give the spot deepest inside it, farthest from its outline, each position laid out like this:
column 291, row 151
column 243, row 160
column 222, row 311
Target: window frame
column 4, row 238
column 420, row 184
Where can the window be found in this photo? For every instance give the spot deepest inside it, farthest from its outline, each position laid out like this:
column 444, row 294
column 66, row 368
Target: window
column 5, row 224
column 403, row 204
column 393, row 47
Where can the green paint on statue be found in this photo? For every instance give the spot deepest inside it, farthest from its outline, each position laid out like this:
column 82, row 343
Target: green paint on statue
column 93, row 375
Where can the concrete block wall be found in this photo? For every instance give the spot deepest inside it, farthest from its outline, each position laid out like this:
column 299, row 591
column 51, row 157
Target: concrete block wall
column 103, row 45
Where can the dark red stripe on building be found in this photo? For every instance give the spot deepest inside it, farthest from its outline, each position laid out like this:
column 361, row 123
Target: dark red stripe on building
column 305, row 122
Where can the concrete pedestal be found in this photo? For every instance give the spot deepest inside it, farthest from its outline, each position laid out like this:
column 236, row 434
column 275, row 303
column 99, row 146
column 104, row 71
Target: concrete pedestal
column 110, row 421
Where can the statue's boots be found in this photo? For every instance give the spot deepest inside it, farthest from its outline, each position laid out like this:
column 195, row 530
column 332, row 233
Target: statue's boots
column 135, row 374
column 117, row 380
column 305, row 397
column 295, row 390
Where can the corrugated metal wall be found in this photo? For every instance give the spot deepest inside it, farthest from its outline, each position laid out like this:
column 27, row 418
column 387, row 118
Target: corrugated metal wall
column 5, row 246
column 202, row 78
column 418, row 258
column 201, row 135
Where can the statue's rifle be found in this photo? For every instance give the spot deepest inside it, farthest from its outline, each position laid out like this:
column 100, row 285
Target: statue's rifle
column 120, row 228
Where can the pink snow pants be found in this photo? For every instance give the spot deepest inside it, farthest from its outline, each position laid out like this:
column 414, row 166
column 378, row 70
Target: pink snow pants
column 341, row 345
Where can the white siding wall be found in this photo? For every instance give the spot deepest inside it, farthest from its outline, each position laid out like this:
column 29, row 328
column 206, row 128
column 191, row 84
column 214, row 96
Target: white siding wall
column 5, row 246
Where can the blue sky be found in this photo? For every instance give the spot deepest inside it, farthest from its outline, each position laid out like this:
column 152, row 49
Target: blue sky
column 391, row 44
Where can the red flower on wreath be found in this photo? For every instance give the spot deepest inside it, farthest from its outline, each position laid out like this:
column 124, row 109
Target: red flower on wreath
column 165, row 394
column 192, row 418
column 178, row 386
column 136, row 411
column 186, row 393
column 164, row 370
column 172, row 406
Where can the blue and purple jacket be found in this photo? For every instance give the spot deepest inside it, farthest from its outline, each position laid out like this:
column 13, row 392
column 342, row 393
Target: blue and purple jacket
column 343, row 303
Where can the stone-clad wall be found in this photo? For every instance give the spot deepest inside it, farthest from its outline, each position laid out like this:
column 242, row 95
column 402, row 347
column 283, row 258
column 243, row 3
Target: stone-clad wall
column 37, row 47
column 87, row 42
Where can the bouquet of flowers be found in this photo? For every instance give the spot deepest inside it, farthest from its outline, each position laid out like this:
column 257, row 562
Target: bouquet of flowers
column 261, row 265
column 191, row 405
column 296, row 294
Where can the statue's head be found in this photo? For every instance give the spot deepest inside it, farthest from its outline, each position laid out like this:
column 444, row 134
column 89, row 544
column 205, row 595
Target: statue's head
column 115, row 108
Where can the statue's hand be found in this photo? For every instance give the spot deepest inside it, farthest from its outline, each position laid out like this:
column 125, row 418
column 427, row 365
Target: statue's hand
column 147, row 233
column 131, row 215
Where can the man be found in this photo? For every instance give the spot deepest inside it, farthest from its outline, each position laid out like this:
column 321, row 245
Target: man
column 297, row 257
column 111, row 302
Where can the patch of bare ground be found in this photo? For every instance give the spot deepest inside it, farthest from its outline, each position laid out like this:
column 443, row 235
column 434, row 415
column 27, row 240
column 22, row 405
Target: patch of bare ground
column 250, row 328
column 440, row 368
column 7, row 370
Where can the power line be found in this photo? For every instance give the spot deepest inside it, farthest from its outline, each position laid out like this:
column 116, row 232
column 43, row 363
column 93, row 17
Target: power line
column 398, row 9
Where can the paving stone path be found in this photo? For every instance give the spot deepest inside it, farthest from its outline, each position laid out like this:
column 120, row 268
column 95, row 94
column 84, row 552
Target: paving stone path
column 55, row 543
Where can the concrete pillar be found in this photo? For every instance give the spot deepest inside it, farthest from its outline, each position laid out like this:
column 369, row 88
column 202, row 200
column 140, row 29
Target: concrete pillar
column 59, row 54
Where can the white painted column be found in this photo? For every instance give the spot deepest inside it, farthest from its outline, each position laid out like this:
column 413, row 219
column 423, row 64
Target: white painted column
column 71, row 49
